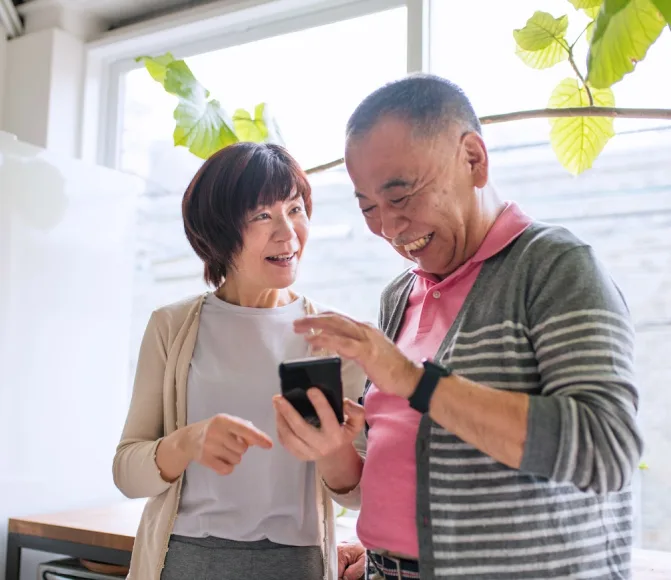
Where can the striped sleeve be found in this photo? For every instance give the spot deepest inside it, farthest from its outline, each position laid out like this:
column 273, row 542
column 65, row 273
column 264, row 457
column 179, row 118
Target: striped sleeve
column 582, row 427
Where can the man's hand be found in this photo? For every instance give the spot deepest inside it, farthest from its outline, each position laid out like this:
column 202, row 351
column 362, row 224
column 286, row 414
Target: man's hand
column 382, row 361
column 351, row 561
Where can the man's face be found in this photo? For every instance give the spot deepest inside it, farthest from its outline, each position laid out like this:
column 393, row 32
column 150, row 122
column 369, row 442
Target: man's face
column 419, row 193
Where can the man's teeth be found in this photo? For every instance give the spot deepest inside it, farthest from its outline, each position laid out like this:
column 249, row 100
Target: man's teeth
column 417, row 244
column 281, row 257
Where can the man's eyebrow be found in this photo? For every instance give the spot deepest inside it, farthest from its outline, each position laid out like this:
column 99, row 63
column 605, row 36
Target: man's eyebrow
column 397, row 182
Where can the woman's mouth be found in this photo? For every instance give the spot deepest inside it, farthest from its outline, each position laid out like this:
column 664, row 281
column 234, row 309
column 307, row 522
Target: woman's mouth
column 282, row 260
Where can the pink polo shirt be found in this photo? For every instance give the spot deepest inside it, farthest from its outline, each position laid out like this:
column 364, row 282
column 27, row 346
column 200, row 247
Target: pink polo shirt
column 388, row 484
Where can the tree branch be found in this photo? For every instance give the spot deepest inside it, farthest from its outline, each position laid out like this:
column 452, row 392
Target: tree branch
column 614, row 112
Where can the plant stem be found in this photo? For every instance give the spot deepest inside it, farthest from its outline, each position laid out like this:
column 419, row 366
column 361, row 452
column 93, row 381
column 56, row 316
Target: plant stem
column 614, row 112
column 582, row 78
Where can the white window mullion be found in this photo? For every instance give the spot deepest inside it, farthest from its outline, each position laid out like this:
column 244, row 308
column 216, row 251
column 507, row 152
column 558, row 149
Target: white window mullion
column 419, row 31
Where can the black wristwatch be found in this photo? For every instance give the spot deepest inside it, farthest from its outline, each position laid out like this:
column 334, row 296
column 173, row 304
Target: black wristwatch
column 421, row 397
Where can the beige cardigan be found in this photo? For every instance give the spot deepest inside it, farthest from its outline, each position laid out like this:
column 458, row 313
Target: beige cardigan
column 158, row 407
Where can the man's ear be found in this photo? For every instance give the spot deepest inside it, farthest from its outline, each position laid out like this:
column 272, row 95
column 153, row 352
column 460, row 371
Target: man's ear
column 477, row 158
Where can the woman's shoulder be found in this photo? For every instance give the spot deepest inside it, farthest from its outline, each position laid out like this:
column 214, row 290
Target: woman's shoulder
column 178, row 313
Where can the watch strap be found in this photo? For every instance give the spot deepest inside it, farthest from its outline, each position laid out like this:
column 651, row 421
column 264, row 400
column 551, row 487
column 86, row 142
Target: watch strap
column 421, row 397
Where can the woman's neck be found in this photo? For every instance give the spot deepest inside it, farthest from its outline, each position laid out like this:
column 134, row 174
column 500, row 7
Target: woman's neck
column 233, row 293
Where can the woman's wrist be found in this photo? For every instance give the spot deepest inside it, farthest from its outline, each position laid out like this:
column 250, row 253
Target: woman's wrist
column 341, row 470
column 174, row 453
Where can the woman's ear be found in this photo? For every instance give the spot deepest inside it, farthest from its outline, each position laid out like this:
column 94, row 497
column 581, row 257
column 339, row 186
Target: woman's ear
column 478, row 159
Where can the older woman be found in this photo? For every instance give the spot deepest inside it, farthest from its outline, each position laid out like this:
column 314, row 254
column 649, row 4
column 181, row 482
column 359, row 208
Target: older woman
column 200, row 441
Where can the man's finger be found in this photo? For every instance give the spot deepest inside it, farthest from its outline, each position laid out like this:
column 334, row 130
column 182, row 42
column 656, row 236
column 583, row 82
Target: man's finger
column 345, row 346
column 251, row 435
column 332, row 323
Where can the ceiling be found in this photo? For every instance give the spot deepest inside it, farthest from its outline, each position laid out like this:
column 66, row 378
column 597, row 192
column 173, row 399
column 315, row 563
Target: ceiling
column 119, row 12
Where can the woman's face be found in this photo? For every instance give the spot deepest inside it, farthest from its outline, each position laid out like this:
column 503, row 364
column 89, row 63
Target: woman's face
column 272, row 244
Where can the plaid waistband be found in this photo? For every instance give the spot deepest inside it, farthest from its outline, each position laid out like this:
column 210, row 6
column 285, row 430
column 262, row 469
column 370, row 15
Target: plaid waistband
column 390, row 568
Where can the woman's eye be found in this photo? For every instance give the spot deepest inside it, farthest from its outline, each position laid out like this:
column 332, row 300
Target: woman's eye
column 297, row 209
column 262, row 216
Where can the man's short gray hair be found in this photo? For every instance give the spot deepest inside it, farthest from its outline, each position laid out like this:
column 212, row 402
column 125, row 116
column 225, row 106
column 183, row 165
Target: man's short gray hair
column 428, row 102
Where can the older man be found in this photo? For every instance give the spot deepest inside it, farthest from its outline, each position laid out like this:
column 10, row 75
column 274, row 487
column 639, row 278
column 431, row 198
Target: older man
column 501, row 432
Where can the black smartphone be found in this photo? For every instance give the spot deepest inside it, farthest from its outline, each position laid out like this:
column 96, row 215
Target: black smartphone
column 297, row 376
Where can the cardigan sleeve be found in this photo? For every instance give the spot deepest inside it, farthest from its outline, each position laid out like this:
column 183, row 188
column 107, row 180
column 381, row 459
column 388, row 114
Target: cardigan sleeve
column 582, row 427
column 134, row 468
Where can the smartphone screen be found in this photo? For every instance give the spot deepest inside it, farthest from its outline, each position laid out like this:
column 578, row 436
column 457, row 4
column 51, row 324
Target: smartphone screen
column 322, row 373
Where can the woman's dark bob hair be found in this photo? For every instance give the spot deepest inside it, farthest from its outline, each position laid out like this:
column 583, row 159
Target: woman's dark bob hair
column 230, row 184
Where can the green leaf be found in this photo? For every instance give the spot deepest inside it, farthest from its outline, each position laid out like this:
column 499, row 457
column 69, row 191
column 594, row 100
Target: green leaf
column 263, row 111
column 664, row 7
column 179, row 81
column 546, row 58
column 593, row 12
column 578, row 141
column 583, row 4
column 202, row 127
column 624, row 31
column 541, row 44
column 248, row 128
column 156, row 66
column 541, row 31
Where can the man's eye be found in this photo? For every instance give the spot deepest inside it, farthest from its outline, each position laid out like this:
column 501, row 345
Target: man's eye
column 368, row 210
column 399, row 200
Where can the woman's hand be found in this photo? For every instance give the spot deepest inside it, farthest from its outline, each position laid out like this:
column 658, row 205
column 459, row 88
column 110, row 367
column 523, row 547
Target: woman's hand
column 382, row 361
column 310, row 443
column 220, row 442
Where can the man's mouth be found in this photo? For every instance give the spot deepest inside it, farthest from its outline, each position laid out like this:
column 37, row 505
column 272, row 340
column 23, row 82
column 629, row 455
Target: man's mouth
column 418, row 244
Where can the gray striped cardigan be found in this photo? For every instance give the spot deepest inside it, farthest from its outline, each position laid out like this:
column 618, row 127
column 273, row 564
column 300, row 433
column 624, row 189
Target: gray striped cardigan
column 542, row 318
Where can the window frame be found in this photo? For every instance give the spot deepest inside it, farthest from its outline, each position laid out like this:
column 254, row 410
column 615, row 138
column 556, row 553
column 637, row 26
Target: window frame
column 112, row 56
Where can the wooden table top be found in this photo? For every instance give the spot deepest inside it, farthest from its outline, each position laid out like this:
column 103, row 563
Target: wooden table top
column 114, row 526
column 111, row 526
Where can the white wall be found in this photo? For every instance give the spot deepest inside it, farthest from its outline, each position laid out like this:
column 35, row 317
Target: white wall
column 66, row 270
column 3, row 61
column 45, row 70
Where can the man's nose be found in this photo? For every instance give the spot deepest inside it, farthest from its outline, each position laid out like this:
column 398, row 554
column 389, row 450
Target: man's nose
column 392, row 223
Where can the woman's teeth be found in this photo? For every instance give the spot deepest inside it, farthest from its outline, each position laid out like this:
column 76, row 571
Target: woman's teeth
column 281, row 257
column 418, row 244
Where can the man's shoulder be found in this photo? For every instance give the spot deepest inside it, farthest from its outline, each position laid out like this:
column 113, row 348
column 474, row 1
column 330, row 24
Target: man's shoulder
column 543, row 240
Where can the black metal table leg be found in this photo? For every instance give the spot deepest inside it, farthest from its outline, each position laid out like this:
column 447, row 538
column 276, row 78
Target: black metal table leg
column 13, row 563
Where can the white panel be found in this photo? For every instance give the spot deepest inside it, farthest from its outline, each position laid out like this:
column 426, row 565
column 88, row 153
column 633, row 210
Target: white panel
column 3, row 71
column 66, row 272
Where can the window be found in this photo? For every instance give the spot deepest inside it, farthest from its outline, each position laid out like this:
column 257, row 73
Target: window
column 622, row 207
column 313, row 79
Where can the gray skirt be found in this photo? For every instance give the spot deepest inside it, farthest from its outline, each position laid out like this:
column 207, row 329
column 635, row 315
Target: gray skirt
column 218, row 559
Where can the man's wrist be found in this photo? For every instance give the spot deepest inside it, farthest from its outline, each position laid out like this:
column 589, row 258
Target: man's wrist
column 410, row 379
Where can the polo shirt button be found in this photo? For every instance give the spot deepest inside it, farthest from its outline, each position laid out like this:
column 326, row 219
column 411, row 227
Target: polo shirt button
column 436, row 294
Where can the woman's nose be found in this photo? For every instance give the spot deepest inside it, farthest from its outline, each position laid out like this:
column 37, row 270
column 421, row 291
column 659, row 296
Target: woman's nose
column 285, row 230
